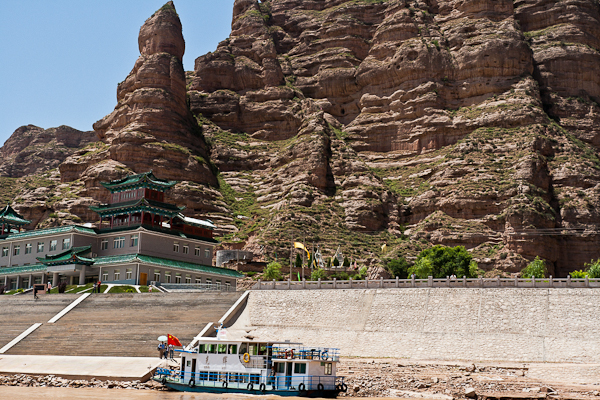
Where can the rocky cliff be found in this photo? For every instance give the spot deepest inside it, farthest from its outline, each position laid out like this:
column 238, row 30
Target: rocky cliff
column 363, row 122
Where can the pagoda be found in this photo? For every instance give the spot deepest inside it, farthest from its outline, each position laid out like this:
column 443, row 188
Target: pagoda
column 138, row 200
column 11, row 220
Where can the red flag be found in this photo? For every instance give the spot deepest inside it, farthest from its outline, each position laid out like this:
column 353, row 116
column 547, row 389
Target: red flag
column 173, row 340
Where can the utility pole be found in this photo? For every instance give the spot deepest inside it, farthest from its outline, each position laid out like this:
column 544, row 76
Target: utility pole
column 291, row 253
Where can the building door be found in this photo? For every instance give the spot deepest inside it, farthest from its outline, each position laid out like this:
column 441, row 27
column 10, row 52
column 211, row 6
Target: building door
column 143, row 279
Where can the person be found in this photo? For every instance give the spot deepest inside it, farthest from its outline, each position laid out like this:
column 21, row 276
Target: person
column 99, row 285
column 161, row 350
column 171, row 351
column 95, row 287
column 35, row 296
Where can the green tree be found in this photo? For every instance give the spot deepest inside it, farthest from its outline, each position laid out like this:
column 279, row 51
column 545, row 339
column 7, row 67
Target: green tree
column 346, row 263
column 581, row 274
column 441, row 261
column 398, row 267
column 298, row 263
column 593, row 269
column 272, row 271
column 318, row 273
column 362, row 274
column 336, row 263
column 536, row 268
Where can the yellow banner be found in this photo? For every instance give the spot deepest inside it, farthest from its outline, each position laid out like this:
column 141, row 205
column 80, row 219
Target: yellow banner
column 298, row 245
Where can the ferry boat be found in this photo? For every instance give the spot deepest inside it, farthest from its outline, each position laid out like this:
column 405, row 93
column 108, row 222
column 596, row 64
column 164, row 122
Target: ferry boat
column 255, row 367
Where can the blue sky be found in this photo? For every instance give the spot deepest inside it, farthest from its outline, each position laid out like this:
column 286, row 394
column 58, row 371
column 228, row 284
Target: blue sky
column 61, row 60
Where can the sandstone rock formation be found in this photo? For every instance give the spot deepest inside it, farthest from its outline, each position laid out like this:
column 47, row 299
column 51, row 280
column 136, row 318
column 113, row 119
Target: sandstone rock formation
column 358, row 123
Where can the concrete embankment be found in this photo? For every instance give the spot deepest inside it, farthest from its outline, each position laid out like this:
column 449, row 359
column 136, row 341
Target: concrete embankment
column 528, row 325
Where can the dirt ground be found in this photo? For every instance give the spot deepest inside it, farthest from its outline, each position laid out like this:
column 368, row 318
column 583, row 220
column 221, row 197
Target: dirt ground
column 447, row 380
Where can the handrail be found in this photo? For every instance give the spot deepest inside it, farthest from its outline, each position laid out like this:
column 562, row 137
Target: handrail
column 463, row 282
column 243, row 380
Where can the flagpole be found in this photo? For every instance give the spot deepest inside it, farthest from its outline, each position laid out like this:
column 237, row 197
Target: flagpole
column 303, row 256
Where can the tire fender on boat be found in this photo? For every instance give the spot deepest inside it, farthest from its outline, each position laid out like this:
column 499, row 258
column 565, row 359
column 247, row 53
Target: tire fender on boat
column 246, row 357
column 324, row 356
column 320, row 387
column 192, row 383
column 225, row 384
column 262, row 387
column 250, row 386
column 301, row 387
column 344, row 387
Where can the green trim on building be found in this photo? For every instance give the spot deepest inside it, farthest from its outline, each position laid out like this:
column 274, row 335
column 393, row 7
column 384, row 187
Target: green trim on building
column 71, row 256
column 145, row 180
column 50, row 231
column 156, row 207
column 23, row 269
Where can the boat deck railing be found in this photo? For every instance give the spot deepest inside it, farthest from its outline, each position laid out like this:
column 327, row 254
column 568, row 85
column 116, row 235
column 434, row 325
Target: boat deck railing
column 287, row 352
column 230, row 380
column 549, row 282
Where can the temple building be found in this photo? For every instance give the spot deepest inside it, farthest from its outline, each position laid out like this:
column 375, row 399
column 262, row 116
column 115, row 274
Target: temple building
column 140, row 238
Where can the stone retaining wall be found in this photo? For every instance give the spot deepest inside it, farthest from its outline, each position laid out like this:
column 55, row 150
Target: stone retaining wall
column 555, row 325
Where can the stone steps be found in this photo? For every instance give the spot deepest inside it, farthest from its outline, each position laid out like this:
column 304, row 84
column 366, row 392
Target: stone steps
column 126, row 324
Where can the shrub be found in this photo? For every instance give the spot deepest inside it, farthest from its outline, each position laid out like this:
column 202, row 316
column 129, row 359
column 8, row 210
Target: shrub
column 340, row 276
column 298, row 262
column 318, row 273
column 346, row 262
column 20, row 290
column 272, row 271
column 398, row 267
column 536, row 268
column 441, row 261
column 250, row 274
column 581, row 274
column 593, row 269
column 362, row 273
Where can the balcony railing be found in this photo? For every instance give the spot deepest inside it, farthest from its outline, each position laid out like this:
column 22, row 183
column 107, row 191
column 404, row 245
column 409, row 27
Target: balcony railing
column 429, row 283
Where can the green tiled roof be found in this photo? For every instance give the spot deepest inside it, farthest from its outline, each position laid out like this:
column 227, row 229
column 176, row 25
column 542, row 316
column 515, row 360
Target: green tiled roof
column 10, row 216
column 165, row 262
column 147, row 179
column 23, row 269
column 49, row 231
column 157, row 207
column 71, row 256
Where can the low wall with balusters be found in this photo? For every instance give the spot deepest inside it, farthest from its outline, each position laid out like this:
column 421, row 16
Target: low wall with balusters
column 423, row 320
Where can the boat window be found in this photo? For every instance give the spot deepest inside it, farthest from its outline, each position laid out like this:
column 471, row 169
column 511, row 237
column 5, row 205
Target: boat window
column 203, row 376
column 262, row 349
column 279, row 368
column 253, row 349
column 328, row 369
column 222, row 348
column 244, row 348
column 202, row 348
column 233, row 349
column 212, row 348
column 299, row 368
column 213, row 376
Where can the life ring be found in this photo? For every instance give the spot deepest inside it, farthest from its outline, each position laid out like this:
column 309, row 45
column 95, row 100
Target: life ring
column 262, row 387
column 320, row 387
column 325, row 355
column 250, row 386
column 192, row 383
column 289, row 354
column 301, row 387
column 246, row 357
column 225, row 384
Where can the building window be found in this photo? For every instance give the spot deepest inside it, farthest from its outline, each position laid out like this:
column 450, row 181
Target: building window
column 119, row 242
column 16, row 250
column 218, row 283
column 186, row 249
column 198, row 280
column 5, row 252
column 105, row 276
column 299, row 368
column 40, row 247
column 188, row 279
column 66, row 244
column 328, row 369
column 128, row 273
column 177, row 278
column 157, row 275
column 117, row 274
column 53, row 244
column 28, row 248
column 206, row 253
column 209, row 281
column 134, row 240
column 197, row 251
column 227, row 285
column 37, row 280
column 104, row 244
column 176, row 247
column 168, row 277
